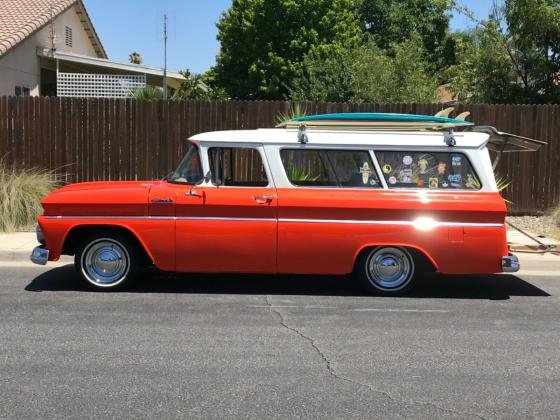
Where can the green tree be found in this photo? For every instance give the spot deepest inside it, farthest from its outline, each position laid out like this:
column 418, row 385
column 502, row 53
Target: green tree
column 198, row 87
column 263, row 42
column 326, row 76
column 391, row 23
column 484, row 72
column 368, row 74
column 534, row 33
column 513, row 57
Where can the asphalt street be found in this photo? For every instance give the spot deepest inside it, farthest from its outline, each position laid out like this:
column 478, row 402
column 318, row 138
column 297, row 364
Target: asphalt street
column 279, row 347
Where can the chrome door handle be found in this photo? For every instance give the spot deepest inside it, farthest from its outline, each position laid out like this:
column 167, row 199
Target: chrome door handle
column 263, row 199
column 192, row 193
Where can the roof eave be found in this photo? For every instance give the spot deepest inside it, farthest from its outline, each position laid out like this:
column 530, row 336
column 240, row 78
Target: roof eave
column 90, row 29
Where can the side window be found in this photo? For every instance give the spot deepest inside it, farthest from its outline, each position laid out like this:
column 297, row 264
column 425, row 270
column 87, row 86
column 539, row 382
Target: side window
column 237, row 167
column 427, row 170
column 330, row 168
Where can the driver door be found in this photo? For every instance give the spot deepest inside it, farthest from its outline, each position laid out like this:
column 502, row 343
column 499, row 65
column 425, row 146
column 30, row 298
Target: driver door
column 229, row 223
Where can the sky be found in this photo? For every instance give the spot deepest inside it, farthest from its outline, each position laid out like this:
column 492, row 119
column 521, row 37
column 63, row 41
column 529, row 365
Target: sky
column 125, row 26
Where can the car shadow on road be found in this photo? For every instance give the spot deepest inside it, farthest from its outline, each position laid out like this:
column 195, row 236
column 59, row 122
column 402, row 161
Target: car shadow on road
column 494, row 287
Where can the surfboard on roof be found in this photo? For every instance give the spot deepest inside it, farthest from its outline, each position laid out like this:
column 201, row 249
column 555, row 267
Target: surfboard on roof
column 379, row 121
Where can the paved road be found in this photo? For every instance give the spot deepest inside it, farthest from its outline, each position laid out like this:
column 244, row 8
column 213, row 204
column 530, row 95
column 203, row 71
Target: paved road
column 268, row 347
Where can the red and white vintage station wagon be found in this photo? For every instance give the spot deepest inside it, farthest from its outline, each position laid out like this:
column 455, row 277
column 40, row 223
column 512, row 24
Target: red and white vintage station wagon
column 377, row 195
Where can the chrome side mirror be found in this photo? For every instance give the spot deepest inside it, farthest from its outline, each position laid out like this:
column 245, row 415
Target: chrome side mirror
column 208, row 176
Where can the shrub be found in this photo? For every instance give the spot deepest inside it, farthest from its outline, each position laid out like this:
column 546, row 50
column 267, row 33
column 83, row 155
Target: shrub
column 20, row 193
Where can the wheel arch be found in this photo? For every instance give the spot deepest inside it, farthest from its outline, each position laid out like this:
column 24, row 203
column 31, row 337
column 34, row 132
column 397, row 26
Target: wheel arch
column 422, row 259
column 74, row 236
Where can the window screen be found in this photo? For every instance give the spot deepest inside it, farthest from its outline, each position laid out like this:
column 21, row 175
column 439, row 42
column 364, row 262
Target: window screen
column 237, row 167
column 427, row 170
column 330, row 168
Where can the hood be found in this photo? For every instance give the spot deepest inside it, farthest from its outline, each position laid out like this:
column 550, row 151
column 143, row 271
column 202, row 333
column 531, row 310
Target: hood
column 111, row 198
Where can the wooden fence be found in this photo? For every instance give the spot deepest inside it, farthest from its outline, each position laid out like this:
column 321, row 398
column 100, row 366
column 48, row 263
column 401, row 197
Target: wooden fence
column 123, row 139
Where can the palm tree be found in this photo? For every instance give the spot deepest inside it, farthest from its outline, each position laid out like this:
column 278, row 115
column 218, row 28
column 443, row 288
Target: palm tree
column 135, row 58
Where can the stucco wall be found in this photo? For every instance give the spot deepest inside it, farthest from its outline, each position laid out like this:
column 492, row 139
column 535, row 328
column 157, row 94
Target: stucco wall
column 20, row 66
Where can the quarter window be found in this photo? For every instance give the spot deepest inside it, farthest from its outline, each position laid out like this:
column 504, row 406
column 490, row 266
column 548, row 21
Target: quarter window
column 427, row 170
column 237, row 167
column 330, row 168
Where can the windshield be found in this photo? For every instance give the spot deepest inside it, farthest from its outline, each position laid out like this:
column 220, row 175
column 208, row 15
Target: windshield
column 189, row 170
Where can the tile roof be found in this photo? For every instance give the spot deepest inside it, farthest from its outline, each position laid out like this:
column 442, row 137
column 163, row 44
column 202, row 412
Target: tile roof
column 20, row 18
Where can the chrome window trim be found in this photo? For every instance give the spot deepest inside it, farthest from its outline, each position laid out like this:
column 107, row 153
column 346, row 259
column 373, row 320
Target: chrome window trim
column 378, row 169
column 258, row 147
column 334, row 187
column 419, row 150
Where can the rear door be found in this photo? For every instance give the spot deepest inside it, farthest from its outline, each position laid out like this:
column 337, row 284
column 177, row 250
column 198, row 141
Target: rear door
column 320, row 213
column 229, row 223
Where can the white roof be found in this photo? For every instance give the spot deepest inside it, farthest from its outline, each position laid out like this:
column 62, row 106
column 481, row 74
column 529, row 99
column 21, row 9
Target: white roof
column 284, row 136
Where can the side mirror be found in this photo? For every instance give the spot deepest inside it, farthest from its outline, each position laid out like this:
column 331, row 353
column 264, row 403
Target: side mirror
column 208, row 176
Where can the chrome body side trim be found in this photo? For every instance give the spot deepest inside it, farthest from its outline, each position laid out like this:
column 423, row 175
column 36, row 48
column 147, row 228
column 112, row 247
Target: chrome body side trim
column 283, row 220
column 389, row 222
column 39, row 255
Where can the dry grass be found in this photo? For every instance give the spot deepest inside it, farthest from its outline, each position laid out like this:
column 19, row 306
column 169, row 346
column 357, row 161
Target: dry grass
column 20, row 193
column 555, row 224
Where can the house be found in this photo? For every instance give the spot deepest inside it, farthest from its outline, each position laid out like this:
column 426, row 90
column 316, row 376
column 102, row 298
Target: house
column 50, row 47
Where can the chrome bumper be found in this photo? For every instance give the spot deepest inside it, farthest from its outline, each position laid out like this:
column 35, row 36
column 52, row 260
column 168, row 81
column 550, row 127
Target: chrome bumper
column 40, row 255
column 510, row 264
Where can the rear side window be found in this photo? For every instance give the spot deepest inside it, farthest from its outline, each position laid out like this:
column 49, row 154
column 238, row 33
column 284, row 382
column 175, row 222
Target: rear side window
column 237, row 167
column 329, row 168
column 427, row 170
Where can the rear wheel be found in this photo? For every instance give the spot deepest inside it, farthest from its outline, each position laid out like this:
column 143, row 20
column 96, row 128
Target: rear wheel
column 107, row 262
column 386, row 271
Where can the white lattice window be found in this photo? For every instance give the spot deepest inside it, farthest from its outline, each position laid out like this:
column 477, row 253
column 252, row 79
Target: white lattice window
column 68, row 36
column 82, row 85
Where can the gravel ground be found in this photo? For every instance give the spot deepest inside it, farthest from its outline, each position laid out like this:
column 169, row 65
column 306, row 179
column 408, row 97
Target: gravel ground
column 543, row 226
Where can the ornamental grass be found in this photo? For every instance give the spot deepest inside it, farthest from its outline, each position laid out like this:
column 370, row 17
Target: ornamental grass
column 21, row 191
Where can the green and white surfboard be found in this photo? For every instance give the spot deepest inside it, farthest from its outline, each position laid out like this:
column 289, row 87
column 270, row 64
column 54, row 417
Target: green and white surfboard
column 378, row 121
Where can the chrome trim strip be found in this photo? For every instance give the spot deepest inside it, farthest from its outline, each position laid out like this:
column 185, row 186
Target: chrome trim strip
column 234, row 219
column 284, row 220
column 388, row 222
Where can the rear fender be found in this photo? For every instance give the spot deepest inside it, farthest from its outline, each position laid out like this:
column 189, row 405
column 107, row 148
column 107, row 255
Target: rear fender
column 414, row 248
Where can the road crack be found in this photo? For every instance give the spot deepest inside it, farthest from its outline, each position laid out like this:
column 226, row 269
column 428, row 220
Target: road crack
column 337, row 376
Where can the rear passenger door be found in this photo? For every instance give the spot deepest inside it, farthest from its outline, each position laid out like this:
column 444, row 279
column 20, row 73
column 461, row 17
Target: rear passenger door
column 229, row 224
column 326, row 194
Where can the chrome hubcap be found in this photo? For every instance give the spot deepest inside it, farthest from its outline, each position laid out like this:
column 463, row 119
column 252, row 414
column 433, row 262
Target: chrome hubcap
column 105, row 262
column 389, row 268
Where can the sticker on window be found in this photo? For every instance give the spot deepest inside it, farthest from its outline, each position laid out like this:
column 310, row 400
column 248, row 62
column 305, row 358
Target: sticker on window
column 427, row 170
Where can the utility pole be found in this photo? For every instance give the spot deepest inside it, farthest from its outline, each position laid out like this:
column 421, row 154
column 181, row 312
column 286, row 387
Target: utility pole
column 165, row 56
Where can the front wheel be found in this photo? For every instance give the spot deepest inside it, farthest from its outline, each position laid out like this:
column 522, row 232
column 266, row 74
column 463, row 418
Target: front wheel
column 107, row 262
column 386, row 271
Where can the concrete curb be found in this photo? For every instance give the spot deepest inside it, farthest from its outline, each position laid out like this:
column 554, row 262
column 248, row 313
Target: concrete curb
column 16, row 255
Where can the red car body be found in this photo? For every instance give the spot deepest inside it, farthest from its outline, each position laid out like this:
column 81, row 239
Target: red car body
column 187, row 233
